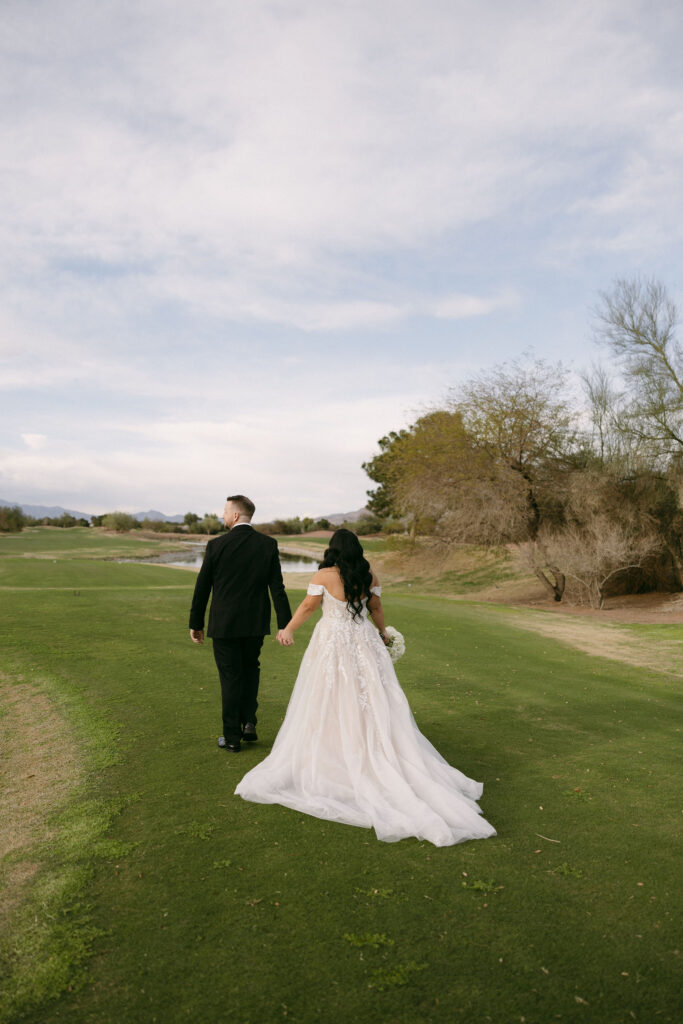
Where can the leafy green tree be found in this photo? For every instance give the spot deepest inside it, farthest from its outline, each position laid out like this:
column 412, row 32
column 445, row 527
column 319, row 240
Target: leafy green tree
column 287, row 526
column 365, row 526
column 12, row 519
column 210, row 524
column 419, row 467
column 190, row 520
column 386, row 470
column 121, row 522
column 66, row 521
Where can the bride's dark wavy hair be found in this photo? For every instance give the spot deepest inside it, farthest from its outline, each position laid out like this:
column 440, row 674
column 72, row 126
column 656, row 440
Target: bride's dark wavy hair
column 346, row 552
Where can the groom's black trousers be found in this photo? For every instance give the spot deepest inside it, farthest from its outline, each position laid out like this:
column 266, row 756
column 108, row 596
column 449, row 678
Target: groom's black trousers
column 239, row 670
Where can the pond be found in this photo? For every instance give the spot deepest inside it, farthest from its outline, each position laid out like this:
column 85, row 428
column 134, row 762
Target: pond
column 298, row 563
column 194, row 553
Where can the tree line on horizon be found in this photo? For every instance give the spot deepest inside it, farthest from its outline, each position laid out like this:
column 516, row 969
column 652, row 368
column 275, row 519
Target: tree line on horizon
column 209, row 523
column 13, row 519
column 590, row 491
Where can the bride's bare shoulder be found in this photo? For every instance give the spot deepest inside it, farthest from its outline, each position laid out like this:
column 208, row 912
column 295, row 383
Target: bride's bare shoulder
column 330, row 572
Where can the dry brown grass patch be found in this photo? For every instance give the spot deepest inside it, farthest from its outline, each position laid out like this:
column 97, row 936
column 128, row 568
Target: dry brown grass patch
column 39, row 768
column 607, row 640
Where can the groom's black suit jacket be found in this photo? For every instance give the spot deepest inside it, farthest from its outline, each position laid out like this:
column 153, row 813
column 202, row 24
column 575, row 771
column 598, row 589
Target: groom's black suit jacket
column 240, row 566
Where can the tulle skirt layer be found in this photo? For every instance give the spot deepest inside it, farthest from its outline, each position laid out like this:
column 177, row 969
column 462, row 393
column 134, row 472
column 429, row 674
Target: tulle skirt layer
column 350, row 751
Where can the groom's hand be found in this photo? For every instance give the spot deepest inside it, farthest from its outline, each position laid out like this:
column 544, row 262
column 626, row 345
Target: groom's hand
column 284, row 637
column 197, row 636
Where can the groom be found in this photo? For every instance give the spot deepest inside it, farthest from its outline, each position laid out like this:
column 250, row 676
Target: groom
column 240, row 566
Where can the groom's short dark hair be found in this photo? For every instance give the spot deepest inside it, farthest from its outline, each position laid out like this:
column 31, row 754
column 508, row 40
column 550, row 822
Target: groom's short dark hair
column 246, row 507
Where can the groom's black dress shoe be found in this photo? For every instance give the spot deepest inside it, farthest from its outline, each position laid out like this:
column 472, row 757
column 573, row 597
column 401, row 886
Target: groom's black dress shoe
column 234, row 748
column 249, row 732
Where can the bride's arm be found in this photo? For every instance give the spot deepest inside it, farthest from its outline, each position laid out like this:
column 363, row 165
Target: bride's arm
column 376, row 611
column 304, row 611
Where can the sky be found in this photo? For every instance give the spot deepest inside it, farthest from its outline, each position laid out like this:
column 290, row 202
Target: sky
column 240, row 242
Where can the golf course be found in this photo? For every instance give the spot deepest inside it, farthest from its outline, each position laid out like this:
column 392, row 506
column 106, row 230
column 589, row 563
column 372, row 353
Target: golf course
column 137, row 888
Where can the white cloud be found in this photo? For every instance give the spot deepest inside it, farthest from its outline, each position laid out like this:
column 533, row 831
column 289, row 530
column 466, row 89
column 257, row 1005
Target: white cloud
column 459, row 307
column 266, row 138
column 231, row 227
column 292, row 438
column 311, row 315
column 303, row 459
column 34, row 441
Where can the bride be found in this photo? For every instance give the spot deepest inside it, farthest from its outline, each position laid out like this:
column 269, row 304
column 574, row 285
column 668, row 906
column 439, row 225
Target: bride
column 349, row 749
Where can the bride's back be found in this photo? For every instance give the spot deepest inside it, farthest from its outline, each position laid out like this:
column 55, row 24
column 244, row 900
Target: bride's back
column 330, row 578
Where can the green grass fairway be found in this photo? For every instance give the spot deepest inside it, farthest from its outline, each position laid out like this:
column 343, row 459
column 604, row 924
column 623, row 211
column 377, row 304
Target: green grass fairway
column 81, row 542
column 157, row 895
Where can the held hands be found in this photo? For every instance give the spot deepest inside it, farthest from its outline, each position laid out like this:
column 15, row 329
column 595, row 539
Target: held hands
column 285, row 637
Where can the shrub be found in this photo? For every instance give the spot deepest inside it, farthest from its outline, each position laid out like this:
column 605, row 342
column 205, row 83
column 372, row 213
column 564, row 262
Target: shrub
column 66, row 521
column 210, row 524
column 120, row 521
column 159, row 526
column 365, row 526
column 12, row 519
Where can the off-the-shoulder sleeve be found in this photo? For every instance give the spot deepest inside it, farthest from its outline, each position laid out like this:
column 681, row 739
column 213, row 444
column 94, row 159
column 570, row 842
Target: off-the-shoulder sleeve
column 376, row 590
column 315, row 589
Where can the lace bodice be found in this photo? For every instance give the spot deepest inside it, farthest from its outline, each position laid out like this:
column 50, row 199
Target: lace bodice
column 333, row 608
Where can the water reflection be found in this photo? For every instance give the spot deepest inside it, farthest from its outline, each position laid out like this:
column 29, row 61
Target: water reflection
column 298, row 563
column 194, row 553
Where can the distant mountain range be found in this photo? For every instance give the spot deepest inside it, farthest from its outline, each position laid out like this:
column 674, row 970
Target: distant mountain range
column 153, row 514
column 55, row 511
column 337, row 518
column 46, row 511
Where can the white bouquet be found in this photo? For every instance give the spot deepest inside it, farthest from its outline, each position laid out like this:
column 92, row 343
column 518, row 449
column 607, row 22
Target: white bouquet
column 397, row 645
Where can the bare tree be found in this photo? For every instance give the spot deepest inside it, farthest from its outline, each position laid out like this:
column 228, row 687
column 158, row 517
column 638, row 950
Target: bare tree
column 489, row 508
column 519, row 415
column 637, row 320
column 610, row 530
column 594, row 554
column 610, row 439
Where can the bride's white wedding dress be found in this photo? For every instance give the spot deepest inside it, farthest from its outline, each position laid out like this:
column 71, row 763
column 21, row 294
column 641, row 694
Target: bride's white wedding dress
column 349, row 749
